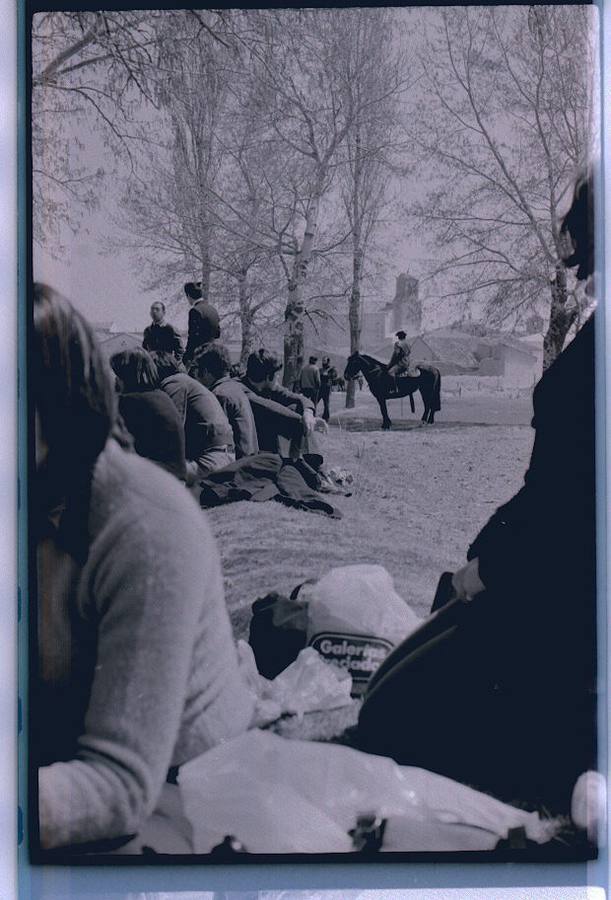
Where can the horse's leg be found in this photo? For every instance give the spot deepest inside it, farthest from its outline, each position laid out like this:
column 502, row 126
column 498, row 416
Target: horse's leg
column 412, row 404
column 424, row 418
column 386, row 423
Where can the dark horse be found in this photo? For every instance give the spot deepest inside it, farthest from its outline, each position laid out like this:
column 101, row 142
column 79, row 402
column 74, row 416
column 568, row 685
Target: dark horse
column 382, row 385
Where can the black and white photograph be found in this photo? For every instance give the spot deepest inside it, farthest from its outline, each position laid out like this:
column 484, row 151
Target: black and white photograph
column 311, row 388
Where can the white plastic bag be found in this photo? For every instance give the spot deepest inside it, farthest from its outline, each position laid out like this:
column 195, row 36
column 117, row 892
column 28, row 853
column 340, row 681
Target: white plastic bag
column 358, row 600
column 355, row 618
column 279, row 796
column 309, row 684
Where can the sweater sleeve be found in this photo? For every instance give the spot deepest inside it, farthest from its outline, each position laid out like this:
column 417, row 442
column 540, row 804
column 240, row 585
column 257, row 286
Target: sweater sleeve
column 146, row 589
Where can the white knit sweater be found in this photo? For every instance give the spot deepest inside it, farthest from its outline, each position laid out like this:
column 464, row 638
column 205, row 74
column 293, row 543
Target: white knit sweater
column 165, row 680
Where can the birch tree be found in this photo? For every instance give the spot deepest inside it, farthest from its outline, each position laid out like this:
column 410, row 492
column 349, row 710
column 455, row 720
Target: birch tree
column 506, row 119
column 372, row 142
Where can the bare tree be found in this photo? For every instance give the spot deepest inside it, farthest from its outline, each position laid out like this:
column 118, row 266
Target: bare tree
column 371, row 143
column 93, row 72
column 506, row 118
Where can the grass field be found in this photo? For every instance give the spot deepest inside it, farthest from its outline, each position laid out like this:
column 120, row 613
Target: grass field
column 420, row 496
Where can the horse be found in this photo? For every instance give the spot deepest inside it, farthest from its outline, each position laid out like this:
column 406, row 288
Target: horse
column 383, row 386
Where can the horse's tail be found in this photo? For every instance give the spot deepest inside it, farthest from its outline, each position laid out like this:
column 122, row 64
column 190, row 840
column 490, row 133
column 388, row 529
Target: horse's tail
column 436, row 391
column 433, row 387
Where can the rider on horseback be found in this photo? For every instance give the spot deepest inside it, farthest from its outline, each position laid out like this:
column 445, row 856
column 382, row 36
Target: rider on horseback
column 400, row 360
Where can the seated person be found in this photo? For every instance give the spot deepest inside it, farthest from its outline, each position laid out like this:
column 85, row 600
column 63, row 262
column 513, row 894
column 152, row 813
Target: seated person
column 261, row 382
column 208, row 435
column 137, row 671
column 210, row 366
column 506, row 700
column 400, row 361
column 148, row 413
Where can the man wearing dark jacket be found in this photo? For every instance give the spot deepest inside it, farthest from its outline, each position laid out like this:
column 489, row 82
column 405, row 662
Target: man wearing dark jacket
column 160, row 336
column 507, row 701
column 204, row 323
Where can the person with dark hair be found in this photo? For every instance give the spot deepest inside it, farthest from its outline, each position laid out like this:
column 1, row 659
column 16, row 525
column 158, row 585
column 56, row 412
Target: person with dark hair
column 204, row 322
column 149, row 414
column 297, row 424
column 309, row 380
column 210, row 366
column 137, row 671
column 160, row 335
column 208, row 434
column 328, row 374
column 498, row 688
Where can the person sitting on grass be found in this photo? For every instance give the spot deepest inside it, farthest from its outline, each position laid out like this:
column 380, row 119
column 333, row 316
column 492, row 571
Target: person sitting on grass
column 208, row 435
column 504, row 697
column 137, row 670
column 261, row 381
column 211, row 366
column 148, row 413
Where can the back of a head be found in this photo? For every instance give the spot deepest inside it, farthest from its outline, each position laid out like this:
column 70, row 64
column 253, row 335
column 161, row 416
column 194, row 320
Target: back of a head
column 73, row 388
column 313, row 360
column 213, row 358
column 193, row 290
column 262, row 365
column 76, row 404
column 135, row 370
column 166, row 364
column 579, row 225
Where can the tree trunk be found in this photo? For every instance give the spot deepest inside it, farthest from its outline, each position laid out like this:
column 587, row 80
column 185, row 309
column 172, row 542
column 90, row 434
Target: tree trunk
column 354, row 319
column 295, row 311
column 354, row 309
column 246, row 317
column 206, row 271
column 560, row 319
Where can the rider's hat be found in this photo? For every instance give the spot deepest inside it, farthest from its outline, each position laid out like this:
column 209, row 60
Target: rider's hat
column 401, row 335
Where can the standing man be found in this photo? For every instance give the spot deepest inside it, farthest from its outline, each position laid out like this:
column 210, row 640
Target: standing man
column 204, row 323
column 309, row 380
column 327, row 378
column 160, row 336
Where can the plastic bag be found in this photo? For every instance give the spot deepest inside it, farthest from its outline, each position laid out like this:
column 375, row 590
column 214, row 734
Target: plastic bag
column 308, row 685
column 359, row 600
column 355, row 618
column 281, row 796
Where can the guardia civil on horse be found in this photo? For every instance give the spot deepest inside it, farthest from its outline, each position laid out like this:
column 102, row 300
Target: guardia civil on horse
column 385, row 387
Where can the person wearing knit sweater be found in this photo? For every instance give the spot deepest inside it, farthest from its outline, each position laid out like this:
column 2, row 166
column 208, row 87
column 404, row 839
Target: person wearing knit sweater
column 138, row 672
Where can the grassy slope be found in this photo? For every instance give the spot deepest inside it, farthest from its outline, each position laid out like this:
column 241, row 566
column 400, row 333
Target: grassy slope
column 420, row 496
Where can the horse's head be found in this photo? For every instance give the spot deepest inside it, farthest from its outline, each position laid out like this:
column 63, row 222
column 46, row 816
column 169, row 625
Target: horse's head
column 353, row 366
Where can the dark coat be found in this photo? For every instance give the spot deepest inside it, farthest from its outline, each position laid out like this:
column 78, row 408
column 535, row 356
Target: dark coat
column 154, row 423
column 163, row 339
column 204, row 327
column 504, row 695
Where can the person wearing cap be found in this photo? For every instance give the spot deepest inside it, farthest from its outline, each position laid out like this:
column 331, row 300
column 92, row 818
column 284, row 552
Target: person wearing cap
column 160, row 336
column 204, row 323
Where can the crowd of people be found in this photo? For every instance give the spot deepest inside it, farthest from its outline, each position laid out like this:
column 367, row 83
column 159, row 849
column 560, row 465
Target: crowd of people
column 138, row 672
